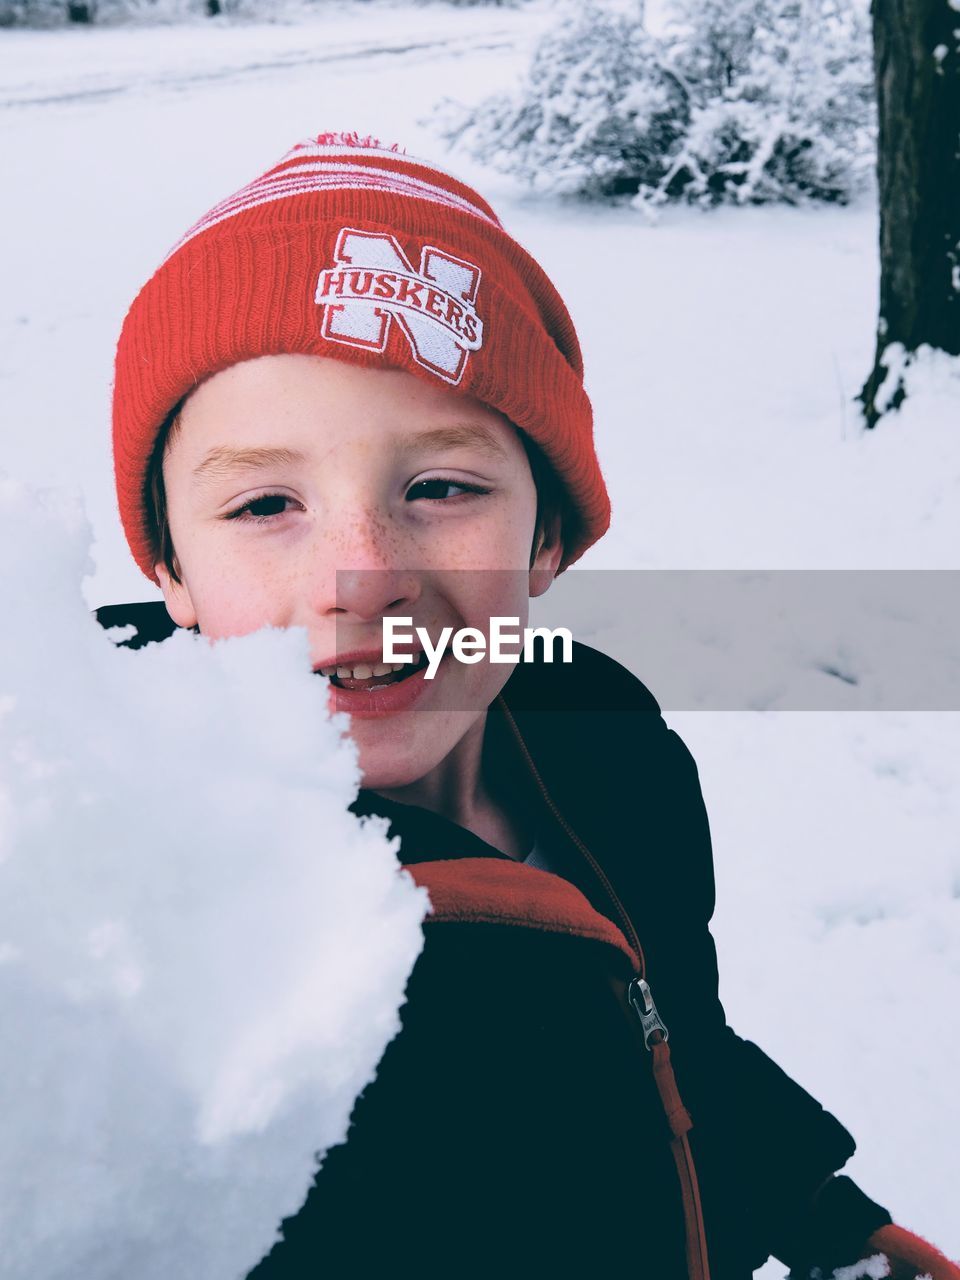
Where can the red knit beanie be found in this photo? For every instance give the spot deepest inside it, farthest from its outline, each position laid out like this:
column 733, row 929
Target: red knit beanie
column 350, row 249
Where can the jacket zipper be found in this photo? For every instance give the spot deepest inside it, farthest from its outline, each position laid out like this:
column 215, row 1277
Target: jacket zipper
column 641, row 1000
column 637, row 999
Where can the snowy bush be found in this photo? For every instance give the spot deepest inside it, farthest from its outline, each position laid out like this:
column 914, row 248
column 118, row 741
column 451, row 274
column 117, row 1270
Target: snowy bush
column 596, row 114
column 34, row 13
column 746, row 103
column 202, row 953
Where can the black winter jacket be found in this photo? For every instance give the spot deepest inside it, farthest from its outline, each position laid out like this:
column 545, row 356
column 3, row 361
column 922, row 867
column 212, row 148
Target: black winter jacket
column 513, row 1128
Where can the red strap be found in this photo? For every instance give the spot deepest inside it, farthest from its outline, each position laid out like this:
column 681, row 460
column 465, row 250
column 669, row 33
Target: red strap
column 678, row 1118
column 698, row 1263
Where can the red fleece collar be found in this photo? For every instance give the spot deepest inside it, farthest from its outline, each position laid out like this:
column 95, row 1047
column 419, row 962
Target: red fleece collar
column 491, row 891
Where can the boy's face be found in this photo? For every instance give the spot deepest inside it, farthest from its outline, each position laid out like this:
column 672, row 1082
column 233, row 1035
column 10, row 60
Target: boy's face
column 289, row 468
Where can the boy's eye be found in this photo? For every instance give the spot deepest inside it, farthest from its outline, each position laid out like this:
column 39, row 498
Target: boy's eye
column 262, row 509
column 437, row 489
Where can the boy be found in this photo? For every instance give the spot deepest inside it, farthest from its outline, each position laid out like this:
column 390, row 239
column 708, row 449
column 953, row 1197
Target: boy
column 347, row 395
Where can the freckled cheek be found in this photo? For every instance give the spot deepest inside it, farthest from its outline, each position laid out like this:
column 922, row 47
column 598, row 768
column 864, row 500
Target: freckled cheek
column 501, row 540
column 516, row 524
column 508, row 549
column 505, row 590
column 234, row 596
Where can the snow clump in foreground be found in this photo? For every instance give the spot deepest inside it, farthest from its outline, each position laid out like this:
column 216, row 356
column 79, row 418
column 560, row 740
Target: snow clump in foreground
column 202, row 953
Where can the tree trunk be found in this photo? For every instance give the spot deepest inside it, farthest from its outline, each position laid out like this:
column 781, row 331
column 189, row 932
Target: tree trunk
column 917, row 64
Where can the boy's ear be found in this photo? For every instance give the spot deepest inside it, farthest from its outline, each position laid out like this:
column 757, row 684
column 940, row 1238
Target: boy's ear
column 548, row 555
column 176, row 597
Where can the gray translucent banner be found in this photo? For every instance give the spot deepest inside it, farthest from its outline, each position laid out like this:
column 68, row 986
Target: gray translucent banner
column 793, row 640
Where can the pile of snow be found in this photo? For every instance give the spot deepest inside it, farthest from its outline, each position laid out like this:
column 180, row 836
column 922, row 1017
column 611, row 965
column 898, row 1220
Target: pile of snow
column 202, row 954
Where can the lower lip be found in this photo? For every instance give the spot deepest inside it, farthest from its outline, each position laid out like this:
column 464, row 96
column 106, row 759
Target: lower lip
column 387, row 700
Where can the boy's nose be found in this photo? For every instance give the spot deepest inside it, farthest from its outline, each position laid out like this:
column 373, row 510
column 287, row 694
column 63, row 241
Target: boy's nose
column 363, row 575
column 366, row 595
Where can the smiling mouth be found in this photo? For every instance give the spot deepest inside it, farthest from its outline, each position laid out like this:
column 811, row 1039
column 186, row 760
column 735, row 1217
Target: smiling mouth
column 380, row 675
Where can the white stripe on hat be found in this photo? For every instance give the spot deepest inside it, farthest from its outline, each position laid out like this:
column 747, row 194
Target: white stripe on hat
column 348, row 150
column 325, row 176
column 392, row 175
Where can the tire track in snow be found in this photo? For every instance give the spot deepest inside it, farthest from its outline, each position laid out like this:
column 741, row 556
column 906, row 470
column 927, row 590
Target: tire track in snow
column 175, row 81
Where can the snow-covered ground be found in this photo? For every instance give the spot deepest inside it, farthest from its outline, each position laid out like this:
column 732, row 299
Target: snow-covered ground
column 723, row 351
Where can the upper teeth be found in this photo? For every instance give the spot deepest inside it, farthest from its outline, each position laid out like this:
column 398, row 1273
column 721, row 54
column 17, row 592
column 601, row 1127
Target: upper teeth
column 362, row 671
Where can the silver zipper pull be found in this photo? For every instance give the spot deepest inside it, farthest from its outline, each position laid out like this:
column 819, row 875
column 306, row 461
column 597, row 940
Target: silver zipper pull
column 638, row 993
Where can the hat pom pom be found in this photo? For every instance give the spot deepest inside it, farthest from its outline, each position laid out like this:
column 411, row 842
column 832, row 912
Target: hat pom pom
column 352, row 140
